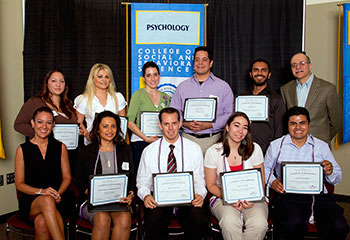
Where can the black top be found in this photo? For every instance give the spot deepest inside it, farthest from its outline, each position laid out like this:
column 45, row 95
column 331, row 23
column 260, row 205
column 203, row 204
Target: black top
column 39, row 172
column 86, row 164
column 265, row 132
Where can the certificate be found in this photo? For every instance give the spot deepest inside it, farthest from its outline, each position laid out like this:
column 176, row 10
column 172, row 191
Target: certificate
column 302, row 177
column 256, row 107
column 200, row 109
column 242, row 185
column 123, row 126
column 106, row 189
column 172, row 189
column 149, row 123
column 68, row 134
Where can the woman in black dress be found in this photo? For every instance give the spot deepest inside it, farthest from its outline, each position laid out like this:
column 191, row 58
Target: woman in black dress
column 107, row 154
column 42, row 175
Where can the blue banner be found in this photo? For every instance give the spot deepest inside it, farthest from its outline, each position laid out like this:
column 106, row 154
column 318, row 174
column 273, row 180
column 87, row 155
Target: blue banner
column 346, row 73
column 166, row 34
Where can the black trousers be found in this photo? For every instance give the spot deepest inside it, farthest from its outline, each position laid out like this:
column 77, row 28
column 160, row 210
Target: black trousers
column 294, row 210
column 192, row 220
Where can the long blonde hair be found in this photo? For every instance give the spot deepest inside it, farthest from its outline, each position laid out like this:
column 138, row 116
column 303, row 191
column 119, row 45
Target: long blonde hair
column 90, row 88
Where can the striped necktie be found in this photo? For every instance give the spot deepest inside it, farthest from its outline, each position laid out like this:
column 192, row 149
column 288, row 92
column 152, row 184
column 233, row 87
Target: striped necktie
column 171, row 160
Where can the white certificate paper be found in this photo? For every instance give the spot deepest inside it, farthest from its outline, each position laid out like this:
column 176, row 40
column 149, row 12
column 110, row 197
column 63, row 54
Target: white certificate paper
column 171, row 189
column 123, row 125
column 242, row 185
column 256, row 107
column 200, row 109
column 302, row 178
column 149, row 124
column 68, row 134
column 106, row 189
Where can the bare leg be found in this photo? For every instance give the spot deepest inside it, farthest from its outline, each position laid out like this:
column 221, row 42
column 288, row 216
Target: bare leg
column 46, row 206
column 102, row 226
column 122, row 225
column 41, row 231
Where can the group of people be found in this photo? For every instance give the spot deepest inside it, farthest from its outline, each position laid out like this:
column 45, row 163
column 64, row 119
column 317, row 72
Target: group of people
column 231, row 143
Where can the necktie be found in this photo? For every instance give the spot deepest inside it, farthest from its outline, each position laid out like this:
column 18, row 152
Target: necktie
column 171, row 160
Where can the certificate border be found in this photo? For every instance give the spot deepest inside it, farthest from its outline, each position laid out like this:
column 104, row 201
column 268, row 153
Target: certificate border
column 321, row 184
column 263, row 118
column 124, row 128
column 182, row 202
column 106, row 176
column 143, row 113
column 63, row 125
column 213, row 118
column 244, row 171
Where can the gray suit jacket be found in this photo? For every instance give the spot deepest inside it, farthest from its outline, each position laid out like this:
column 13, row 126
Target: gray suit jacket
column 323, row 105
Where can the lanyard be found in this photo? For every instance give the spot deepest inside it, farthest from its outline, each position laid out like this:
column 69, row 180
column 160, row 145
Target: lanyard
column 114, row 160
column 182, row 153
column 279, row 153
column 224, row 159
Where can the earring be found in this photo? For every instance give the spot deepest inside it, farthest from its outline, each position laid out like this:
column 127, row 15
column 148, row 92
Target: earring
column 226, row 136
column 244, row 142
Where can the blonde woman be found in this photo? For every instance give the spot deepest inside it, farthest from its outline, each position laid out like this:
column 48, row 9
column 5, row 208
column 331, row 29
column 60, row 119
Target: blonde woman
column 99, row 95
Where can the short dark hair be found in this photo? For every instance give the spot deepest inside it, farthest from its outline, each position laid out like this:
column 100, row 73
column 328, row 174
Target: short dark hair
column 205, row 49
column 304, row 53
column 95, row 135
column 168, row 110
column 42, row 109
column 295, row 111
column 148, row 65
column 260, row 60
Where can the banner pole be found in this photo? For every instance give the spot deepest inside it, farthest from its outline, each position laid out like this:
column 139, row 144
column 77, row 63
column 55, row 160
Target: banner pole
column 205, row 24
column 336, row 144
column 127, row 49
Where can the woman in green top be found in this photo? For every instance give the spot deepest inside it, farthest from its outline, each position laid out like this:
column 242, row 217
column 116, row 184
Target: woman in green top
column 145, row 99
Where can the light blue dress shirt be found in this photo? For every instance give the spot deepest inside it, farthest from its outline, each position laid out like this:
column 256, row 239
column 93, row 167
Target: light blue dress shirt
column 292, row 153
column 303, row 90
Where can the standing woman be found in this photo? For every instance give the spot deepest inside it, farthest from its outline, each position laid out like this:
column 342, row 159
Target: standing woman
column 99, row 95
column 145, row 99
column 53, row 95
column 42, row 175
column 107, row 154
column 235, row 151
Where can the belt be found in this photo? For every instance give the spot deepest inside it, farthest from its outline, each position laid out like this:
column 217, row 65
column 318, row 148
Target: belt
column 205, row 135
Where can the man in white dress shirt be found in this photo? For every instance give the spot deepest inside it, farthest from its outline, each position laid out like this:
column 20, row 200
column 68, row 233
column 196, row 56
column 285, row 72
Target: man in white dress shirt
column 188, row 157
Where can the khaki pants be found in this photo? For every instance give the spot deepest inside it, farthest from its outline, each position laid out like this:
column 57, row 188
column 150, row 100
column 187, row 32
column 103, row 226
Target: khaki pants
column 230, row 221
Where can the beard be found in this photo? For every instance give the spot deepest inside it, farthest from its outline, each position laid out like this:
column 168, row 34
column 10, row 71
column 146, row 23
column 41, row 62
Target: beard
column 259, row 84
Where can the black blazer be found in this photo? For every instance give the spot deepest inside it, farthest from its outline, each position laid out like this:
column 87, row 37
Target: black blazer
column 86, row 164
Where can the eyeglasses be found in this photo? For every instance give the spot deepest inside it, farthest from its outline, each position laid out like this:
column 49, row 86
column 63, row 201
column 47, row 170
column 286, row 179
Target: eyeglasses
column 295, row 65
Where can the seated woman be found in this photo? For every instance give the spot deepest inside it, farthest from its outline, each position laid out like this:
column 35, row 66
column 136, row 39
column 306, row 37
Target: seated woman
column 235, row 151
column 99, row 95
column 42, row 175
column 107, row 154
column 148, row 98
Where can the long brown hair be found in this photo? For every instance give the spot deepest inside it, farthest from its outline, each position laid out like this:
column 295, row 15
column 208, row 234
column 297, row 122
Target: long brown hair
column 95, row 135
column 66, row 104
column 244, row 150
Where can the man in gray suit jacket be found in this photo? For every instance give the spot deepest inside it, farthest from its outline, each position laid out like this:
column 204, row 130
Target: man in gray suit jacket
column 318, row 96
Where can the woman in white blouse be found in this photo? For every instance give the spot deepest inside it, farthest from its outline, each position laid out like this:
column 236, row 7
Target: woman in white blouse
column 99, row 95
column 235, row 151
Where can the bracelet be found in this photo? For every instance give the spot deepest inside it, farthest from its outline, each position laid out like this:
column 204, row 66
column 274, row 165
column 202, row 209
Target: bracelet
column 39, row 192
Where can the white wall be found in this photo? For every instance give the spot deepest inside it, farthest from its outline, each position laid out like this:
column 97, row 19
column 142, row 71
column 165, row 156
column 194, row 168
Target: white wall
column 11, row 92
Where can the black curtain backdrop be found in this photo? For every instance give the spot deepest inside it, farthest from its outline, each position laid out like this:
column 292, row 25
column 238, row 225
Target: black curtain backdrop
column 75, row 34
